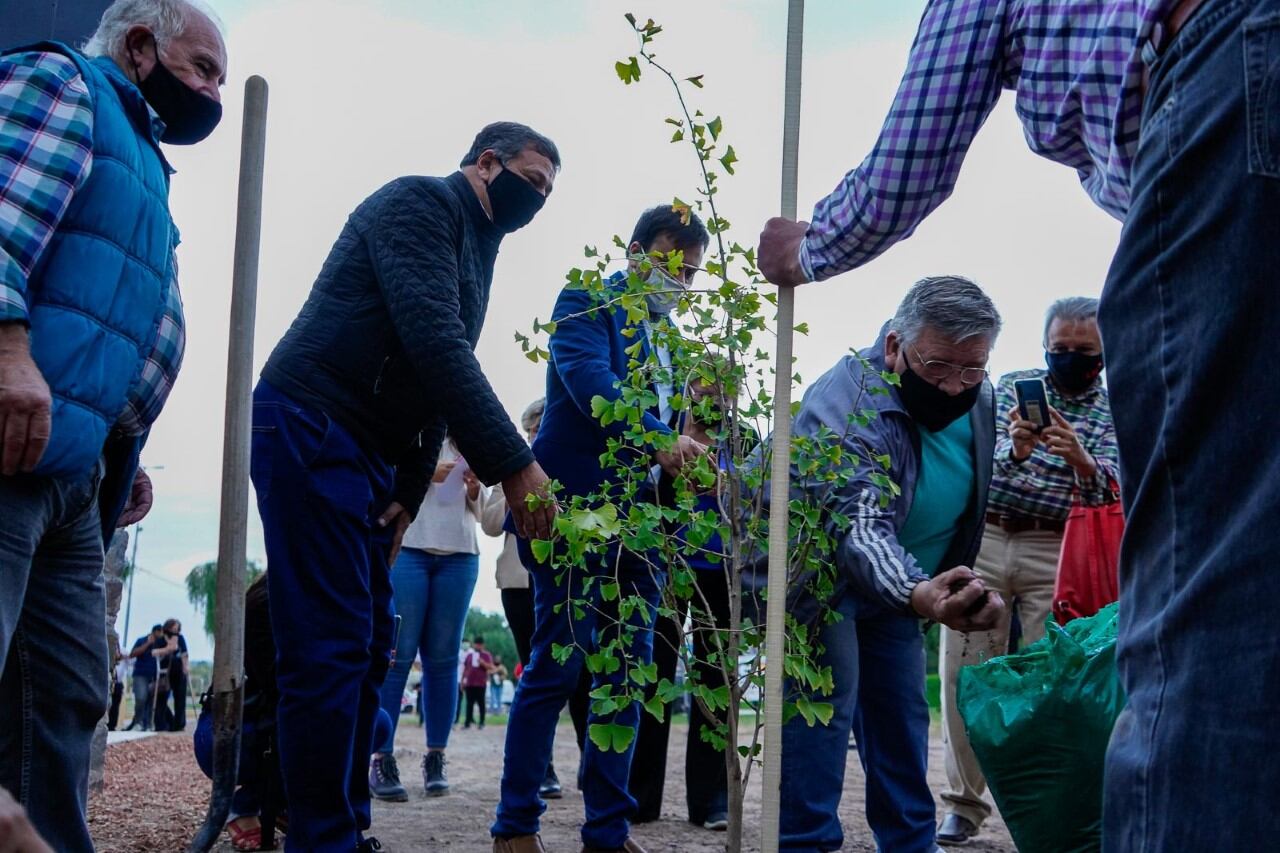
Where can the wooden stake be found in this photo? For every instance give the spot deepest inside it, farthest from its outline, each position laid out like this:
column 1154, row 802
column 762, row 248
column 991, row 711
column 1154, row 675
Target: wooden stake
column 227, row 686
column 780, row 475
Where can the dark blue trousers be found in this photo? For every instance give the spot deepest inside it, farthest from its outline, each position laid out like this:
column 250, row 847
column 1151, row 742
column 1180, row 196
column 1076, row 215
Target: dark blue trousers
column 1190, row 319
column 546, row 685
column 319, row 495
column 877, row 665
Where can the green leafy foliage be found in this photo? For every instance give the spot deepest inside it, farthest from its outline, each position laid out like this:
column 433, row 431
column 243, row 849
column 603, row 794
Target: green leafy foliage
column 202, row 590
column 713, row 515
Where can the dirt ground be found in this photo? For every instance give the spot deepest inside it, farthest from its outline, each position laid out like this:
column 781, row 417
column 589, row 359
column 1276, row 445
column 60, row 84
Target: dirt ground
column 458, row 822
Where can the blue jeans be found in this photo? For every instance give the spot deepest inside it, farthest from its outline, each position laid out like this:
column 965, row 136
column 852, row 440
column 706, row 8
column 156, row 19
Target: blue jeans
column 1190, row 318
column 319, row 494
column 877, row 664
column 53, row 649
column 432, row 593
column 144, row 698
column 545, row 687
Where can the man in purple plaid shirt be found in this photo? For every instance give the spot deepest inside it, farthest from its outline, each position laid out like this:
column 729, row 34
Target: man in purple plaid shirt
column 1169, row 110
column 91, row 340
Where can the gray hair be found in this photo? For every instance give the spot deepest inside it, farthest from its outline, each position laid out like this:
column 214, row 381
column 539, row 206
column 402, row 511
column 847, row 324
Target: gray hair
column 533, row 414
column 167, row 20
column 508, row 139
column 1072, row 309
column 950, row 304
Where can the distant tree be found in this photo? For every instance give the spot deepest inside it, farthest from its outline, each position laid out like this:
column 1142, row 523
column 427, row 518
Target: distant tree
column 497, row 636
column 202, row 589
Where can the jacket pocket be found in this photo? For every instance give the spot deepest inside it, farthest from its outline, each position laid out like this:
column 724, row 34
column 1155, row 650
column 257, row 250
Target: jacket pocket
column 1262, row 93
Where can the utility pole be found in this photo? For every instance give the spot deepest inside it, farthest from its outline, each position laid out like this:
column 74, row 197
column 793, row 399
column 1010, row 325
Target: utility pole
column 128, row 601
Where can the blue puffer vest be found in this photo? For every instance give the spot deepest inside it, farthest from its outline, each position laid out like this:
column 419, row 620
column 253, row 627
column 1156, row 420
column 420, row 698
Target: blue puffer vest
column 97, row 295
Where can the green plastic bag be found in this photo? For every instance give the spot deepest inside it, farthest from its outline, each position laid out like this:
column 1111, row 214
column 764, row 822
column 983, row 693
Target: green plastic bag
column 1039, row 722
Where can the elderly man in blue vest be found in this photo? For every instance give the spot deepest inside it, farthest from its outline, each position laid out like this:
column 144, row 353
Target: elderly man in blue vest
column 91, row 339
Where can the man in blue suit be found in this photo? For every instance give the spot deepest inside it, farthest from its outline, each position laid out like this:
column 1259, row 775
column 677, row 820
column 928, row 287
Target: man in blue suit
column 589, row 359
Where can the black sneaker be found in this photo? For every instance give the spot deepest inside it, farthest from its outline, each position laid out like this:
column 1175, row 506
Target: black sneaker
column 368, row 845
column 550, row 789
column 433, row 775
column 384, row 780
column 716, row 822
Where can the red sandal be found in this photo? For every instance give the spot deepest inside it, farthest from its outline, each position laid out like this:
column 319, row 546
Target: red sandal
column 243, row 838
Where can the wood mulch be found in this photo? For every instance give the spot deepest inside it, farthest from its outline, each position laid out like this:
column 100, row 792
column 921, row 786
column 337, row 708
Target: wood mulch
column 153, row 798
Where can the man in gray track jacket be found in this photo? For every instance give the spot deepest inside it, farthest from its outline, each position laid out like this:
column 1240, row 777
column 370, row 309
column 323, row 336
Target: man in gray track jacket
column 899, row 561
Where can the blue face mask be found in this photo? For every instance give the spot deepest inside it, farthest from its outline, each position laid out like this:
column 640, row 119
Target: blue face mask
column 1072, row 371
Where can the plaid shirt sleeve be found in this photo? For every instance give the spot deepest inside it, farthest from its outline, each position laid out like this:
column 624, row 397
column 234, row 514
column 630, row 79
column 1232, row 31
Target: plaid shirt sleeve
column 46, row 133
column 954, row 77
column 160, row 371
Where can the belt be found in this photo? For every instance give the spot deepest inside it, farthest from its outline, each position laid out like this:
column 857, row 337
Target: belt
column 1179, row 13
column 1021, row 524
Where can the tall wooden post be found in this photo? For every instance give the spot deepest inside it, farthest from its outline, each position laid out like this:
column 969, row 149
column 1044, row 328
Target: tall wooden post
column 227, row 688
column 780, row 474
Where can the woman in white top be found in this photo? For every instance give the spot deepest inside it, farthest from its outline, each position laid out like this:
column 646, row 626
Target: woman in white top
column 432, row 580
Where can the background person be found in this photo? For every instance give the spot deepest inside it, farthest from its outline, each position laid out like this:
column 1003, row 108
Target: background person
column 517, row 601
column 476, row 668
column 706, row 785
column 91, row 342
column 1037, row 476
column 119, row 677
column 497, row 679
column 175, row 668
column 433, row 579
column 146, row 651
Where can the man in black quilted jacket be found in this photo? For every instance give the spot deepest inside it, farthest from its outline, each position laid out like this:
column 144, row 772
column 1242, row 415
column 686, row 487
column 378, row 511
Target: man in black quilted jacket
column 348, row 419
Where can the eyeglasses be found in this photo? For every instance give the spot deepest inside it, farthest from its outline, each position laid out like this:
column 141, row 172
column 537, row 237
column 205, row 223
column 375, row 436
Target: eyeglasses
column 940, row 371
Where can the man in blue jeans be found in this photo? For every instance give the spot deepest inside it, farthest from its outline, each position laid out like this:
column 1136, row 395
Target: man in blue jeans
column 901, row 559
column 91, row 342
column 589, row 359
column 1166, row 109
column 348, row 421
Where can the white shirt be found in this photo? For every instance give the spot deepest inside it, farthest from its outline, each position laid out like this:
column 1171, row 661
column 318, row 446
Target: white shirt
column 446, row 523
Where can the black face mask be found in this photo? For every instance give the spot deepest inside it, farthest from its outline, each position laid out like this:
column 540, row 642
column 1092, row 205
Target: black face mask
column 1073, row 372
column 514, row 201
column 930, row 406
column 188, row 115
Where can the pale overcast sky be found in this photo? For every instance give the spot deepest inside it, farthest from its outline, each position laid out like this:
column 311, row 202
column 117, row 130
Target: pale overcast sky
column 363, row 91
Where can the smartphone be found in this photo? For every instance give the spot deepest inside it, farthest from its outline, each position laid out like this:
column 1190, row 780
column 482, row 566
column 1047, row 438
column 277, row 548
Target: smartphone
column 1033, row 404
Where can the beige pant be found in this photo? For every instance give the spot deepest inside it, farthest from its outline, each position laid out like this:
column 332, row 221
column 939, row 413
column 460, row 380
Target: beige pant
column 1018, row 565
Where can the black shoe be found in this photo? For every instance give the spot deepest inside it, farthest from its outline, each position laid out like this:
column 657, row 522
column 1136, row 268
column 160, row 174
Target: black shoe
column 368, row 845
column 550, row 789
column 433, row 775
column 956, row 830
column 716, row 822
column 384, row 780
